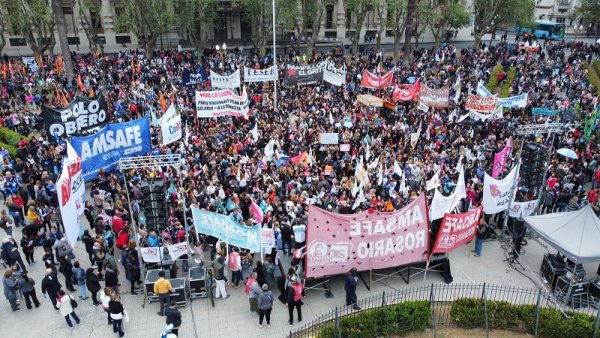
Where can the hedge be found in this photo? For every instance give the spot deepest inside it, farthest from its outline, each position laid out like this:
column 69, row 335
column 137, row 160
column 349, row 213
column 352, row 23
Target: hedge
column 9, row 140
column 594, row 75
column 493, row 80
column 469, row 313
column 398, row 319
column 510, row 78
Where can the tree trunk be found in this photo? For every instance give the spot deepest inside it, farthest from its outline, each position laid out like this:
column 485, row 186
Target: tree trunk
column 411, row 9
column 397, row 37
column 62, row 38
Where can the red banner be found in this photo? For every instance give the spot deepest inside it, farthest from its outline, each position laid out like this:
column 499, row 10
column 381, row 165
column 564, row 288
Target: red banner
column 456, row 230
column 406, row 92
column 373, row 81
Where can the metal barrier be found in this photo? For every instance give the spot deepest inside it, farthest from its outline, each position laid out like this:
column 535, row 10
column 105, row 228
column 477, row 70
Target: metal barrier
column 490, row 299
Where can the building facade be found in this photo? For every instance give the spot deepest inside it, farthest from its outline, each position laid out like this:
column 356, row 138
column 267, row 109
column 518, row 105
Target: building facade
column 561, row 11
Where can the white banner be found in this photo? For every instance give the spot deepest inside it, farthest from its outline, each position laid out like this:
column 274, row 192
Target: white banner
column 482, row 90
column 260, row 75
column 225, row 81
column 519, row 101
column 267, row 238
column 177, row 250
column 335, row 76
column 222, row 103
column 496, row 193
column 522, row 209
column 29, row 61
column 171, row 127
column 70, row 188
column 150, row 254
column 441, row 204
column 328, row 138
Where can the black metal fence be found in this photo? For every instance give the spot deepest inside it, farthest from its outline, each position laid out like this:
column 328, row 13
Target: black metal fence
column 435, row 306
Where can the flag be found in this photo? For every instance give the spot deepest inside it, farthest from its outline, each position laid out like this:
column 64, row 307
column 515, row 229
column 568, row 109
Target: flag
column 163, row 103
column 373, row 164
column 254, row 132
column 91, row 93
column 282, row 160
column 380, row 176
column 257, row 212
column 269, row 151
column 360, row 199
column 457, row 88
column 299, row 159
column 311, row 159
column 500, row 159
column 80, row 84
column 441, row 204
column 434, row 182
column 423, row 107
column 397, row 169
column 331, row 120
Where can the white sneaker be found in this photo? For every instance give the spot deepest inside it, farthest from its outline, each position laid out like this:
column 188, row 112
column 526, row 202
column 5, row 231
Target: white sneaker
column 269, row 325
column 259, row 325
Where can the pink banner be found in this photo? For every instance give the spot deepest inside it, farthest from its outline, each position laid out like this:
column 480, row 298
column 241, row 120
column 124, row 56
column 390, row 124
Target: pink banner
column 437, row 98
column 456, row 230
column 373, row 81
column 367, row 241
column 501, row 158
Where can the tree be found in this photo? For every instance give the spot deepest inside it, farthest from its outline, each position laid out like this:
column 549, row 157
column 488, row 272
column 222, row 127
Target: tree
column 33, row 20
column 147, row 19
column 589, row 12
column 446, row 14
column 380, row 9
column 489, row 13
column 359, row 10
column 62, row 38
column 259, row 13
column 198, row 18
column 2, row 30
column 396, row 20
column 84, row 7
column 411, row 11
column 425, row 14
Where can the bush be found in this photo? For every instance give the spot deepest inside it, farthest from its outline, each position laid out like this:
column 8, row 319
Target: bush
column 11, row 149
column 468, row 313
column 510, row 78
column 10, row 137
column 493, row 80
column 594, row 75
column 409, row 316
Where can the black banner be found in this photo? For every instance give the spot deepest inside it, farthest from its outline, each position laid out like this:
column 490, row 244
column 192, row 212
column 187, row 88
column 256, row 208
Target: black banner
column 82, row 114
column 191, row 79
column 304, row 74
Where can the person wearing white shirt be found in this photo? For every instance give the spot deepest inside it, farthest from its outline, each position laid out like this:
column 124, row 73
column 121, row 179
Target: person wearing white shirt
column 299, row 231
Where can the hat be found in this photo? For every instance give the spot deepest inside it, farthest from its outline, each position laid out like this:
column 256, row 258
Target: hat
column 169, row 328
column 265, row 287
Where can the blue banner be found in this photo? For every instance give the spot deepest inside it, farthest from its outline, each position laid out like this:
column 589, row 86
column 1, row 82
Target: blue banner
column 227, row 229
column 103, row 149
column 191, row 79
column 543, row 111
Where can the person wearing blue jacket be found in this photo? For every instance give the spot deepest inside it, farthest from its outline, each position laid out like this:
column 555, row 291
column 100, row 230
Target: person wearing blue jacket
column 350, row 281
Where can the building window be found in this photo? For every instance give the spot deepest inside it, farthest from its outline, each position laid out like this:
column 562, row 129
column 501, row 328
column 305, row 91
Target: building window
column 73, row 40
column 68, row 10
column 331, row 35
column 101, row 40
column 17, row 42
column 389, row 33
column 96, row 20
column 560, row 20
column 123, row 39
column 329, row 17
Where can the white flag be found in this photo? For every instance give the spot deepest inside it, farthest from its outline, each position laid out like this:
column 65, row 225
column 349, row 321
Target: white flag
column 373, row 164
column 269, row 151
column 441, row 204
column 361, row 198
column 311, row 159
column 380, row 176
column 434, row 182
column 496, row 193
column 457, row 88
column 423, row 107
column 331, row 120
column 397, row 169
column 170, row 126
column 254, row 132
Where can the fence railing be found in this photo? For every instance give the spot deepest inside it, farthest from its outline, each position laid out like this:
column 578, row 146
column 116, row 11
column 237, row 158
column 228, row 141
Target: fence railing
column 437, row 306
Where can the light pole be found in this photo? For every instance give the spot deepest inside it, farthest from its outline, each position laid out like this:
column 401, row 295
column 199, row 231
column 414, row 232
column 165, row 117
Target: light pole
column 222, row 50
column 274, row 58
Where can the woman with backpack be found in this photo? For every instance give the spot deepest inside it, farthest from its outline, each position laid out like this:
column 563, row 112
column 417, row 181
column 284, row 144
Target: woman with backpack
column 67, row 306
column 79, row 276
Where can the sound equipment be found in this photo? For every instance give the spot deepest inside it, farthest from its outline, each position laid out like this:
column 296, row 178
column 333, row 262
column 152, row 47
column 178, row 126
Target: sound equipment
column 197, row 282
column 552, row 268
column 151, row 278
column 154, row 203
column 533, row 166
column 575, row 293
column 178, row 294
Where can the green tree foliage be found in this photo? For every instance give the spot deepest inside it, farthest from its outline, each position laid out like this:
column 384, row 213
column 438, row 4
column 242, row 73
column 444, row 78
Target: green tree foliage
column 490, row 13
column 147, row 19
column 33, row 20
column 84, row 8
column 358, row 10
column 396, row 20
column 446, row 14
column 589, row 12
column 303, row 16
column 259, row 13
column 197, row 18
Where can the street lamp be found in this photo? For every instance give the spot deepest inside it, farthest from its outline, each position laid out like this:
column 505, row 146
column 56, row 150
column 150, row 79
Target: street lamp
column 222, row 50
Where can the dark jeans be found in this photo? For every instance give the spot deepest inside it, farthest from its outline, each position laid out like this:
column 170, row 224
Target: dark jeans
column 13, row 304
column 68, row 282
column 287, row 244
column 53, row 300
column 110, row 320
column 74, row 315
column 94, row 296
column 351, row 298
column 298, row 307
column 236, row 277
column 264, row 313
column 165, row 299
column 118, row 327
column 29, row 297
column 28, row 257
column 99, row 265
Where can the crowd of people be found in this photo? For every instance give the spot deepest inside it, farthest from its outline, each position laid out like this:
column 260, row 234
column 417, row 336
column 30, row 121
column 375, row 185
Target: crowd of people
column 224, row 167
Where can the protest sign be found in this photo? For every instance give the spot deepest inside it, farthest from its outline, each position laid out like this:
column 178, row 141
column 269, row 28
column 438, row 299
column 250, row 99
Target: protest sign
column 304, row 74
column 225, row 228
column 543, row 111
column 370, row 80
column 519, row 101
column 225, row 81
column 260, row 75
column 457, row 230
column 222, row 103
column 328, row 138
column 437, row 98
column 82, row 114
column 333, row 75
column 497, row 193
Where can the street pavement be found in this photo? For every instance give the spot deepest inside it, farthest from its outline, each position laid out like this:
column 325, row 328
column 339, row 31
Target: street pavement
column 231, row 317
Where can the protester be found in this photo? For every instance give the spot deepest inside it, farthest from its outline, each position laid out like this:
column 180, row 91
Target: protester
column 162, row 287
column 105, row 297
column 66, row 305
column 92, row 283
column 265, row 305
column 26, row 285
column 350, row 281
column 219, row 275
column 117, row 314
column 11, row 288
column 253, row 290
column 51, row 286
column 480, row 236
column 173, row 317
column 294, row 300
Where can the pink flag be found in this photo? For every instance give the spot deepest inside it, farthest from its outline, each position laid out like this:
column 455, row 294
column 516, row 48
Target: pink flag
column 257, row 212
column 500, row 159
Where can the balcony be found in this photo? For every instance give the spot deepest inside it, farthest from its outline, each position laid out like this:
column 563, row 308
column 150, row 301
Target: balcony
column 564, row 5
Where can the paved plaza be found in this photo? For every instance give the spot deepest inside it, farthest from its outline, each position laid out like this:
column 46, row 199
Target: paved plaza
column 232, row 318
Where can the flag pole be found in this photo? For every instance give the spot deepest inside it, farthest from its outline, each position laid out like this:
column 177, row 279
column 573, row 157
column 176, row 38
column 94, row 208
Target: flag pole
column 274, row 57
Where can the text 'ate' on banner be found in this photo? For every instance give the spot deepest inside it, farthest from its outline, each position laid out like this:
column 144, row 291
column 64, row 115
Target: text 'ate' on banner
column 222, row 103
column 366, row 241
column 227, row 229
column 105, row 148
column 457, row 230
column 82, row 114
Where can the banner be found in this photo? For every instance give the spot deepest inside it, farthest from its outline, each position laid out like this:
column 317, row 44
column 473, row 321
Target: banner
column 191, row 79
column 105, row 148
column 370, row 80
column 177, row 250
column 482, row 90
column 457, row 230
column 496, row 193
column 335, row 76
column 82, row 114
column 225, row 228
column 267, row 238
column 260, row 75
column 366, row 241
column 328, row 138
column 496, row 114
column 170, row 126
column 522, row 209
column 70, row 189
column 519, row 101
column 303, row 74
column 29, row 61
column 481, row 104
column 500, row 158
column 150, row 254
column 225, row 81
column 437, row 98
column 406, row 92
column 222, row 103
column 441, row 204
column 543, row 111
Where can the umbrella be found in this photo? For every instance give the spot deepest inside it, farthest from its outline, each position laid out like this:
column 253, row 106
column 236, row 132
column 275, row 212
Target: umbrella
column 567, row 153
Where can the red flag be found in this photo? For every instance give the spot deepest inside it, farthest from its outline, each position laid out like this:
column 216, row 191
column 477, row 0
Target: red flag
column 80, row 84
column 405, row 92
column 373, row 81
column 163, row 103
